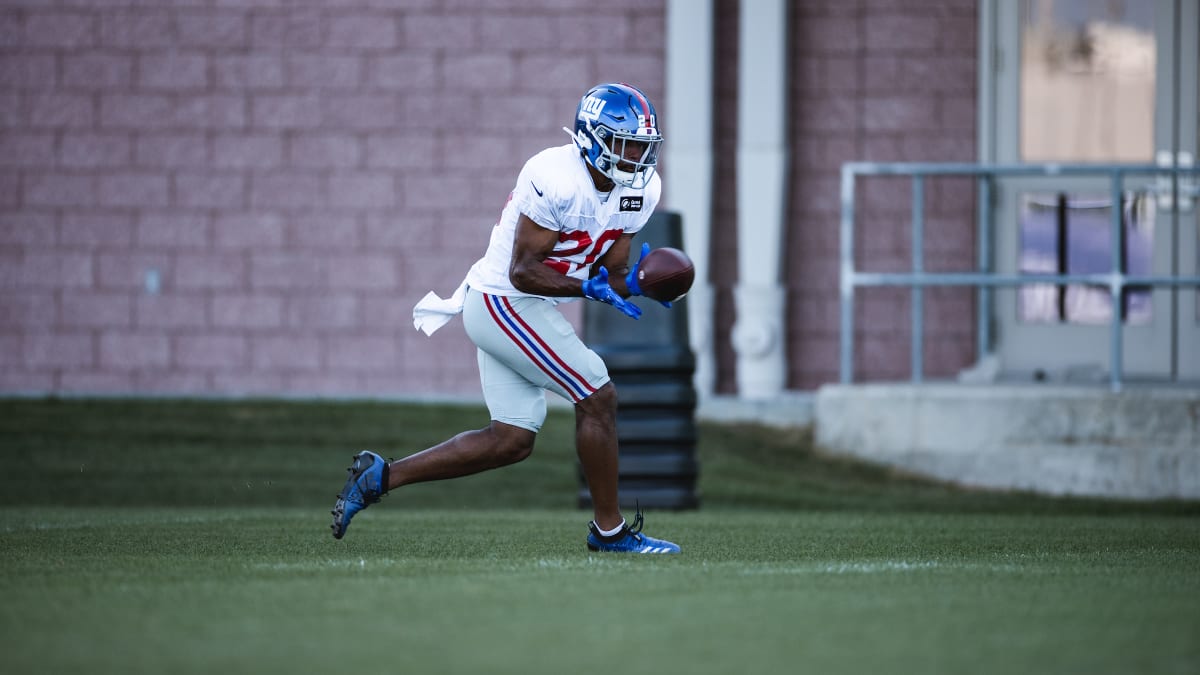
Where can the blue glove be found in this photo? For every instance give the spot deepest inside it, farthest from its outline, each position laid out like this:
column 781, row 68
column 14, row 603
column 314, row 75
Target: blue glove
column 631, row 278
column 597, row 288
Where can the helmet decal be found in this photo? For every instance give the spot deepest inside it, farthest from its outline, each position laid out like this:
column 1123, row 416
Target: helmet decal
column 590, row 108
column 647, row 115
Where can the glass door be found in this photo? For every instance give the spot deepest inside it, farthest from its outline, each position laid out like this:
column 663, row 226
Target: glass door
column 1085, row 82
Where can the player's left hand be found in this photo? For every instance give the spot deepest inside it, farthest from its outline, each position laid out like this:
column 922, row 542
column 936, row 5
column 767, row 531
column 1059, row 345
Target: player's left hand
column 597, row 288
column 631, row 278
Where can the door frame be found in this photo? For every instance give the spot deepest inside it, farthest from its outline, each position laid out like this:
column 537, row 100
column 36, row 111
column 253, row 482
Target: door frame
column 1168, row 347
column 1187, row 223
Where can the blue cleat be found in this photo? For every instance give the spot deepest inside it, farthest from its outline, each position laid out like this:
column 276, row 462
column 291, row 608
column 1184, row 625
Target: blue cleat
column 364, row 487
column 628, row 540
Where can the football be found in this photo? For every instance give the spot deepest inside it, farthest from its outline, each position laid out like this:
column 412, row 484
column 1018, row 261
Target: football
column 666, row 274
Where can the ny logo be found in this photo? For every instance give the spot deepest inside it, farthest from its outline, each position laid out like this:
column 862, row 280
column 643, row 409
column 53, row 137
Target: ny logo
column 591, row 107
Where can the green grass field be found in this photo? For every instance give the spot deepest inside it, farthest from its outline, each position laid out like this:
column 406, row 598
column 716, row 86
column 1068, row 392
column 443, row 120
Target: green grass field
column 192, row 537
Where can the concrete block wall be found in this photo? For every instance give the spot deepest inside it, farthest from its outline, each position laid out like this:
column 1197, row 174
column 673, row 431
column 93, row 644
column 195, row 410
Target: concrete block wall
column 872, row 80
column 228, row 197
column 1138, row 444
column 886, row 81
column 247, row 196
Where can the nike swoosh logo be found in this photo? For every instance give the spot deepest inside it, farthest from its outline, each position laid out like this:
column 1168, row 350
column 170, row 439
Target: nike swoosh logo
column 539, row 192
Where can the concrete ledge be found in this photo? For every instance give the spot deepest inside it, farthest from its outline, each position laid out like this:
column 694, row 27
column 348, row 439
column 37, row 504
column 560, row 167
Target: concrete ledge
column 789, row 409
column 1138, row 444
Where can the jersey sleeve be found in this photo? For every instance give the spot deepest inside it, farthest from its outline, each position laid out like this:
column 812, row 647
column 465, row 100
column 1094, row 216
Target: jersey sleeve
column 538, row 194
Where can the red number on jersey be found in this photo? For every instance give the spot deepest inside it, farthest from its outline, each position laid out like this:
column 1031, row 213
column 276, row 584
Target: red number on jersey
column 584, row 243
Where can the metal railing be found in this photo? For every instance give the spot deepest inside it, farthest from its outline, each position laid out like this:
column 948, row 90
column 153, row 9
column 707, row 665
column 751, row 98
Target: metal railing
column 1116, row 280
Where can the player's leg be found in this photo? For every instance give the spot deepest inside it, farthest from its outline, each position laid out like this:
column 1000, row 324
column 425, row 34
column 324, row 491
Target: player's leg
column 516, row 404
column 517, row 410
column 596, row 446
column 536, row 341
column 517, row 407
column 470, row 452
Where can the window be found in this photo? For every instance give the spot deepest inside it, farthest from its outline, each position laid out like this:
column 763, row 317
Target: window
column 1087, row 81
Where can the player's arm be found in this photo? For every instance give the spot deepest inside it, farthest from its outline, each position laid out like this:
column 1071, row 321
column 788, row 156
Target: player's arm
column 528, row 272
column 616, row 259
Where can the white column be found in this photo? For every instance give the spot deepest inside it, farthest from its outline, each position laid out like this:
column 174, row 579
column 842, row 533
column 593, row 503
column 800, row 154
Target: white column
column 762, row 161
column 687, row 130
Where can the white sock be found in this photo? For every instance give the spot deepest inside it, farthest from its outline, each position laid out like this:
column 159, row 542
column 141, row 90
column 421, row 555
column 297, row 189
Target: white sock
column 609, row 533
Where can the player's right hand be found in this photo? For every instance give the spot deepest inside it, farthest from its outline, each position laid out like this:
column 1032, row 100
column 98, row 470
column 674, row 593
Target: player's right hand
column 597, row 288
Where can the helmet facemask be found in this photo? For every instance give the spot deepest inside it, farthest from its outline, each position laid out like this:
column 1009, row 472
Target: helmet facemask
column 629, row 159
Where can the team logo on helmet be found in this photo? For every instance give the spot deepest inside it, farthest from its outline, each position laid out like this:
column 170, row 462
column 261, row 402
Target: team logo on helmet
column 590, row 108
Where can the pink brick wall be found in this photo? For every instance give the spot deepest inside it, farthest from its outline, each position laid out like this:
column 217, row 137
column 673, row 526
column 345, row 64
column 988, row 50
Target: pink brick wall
column 871, row 80
column 247, row 196
column 723, row 259
column 880, row 80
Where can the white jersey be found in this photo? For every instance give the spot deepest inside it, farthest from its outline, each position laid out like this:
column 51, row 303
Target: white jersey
column 555, row 190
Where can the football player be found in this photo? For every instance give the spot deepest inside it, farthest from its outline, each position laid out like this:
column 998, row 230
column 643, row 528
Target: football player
column 564, row 234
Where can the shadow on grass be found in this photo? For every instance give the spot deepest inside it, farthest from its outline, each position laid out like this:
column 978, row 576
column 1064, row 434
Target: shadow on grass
column 751, row 466
column 170, row 452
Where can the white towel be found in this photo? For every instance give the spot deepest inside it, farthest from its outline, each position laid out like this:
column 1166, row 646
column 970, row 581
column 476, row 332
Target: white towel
column 433, row 311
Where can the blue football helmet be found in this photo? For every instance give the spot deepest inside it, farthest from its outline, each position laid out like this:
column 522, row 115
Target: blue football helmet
column 616, row 131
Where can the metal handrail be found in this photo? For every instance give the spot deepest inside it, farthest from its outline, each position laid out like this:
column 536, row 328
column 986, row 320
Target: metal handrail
column 984, row 280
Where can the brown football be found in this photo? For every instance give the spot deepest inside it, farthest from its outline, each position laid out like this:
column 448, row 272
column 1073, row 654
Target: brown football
column 666, row 274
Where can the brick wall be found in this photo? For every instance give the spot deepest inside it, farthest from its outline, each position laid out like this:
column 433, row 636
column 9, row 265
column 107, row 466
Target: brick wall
column 248, row 196
column 724, row 255
column 880, row 80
